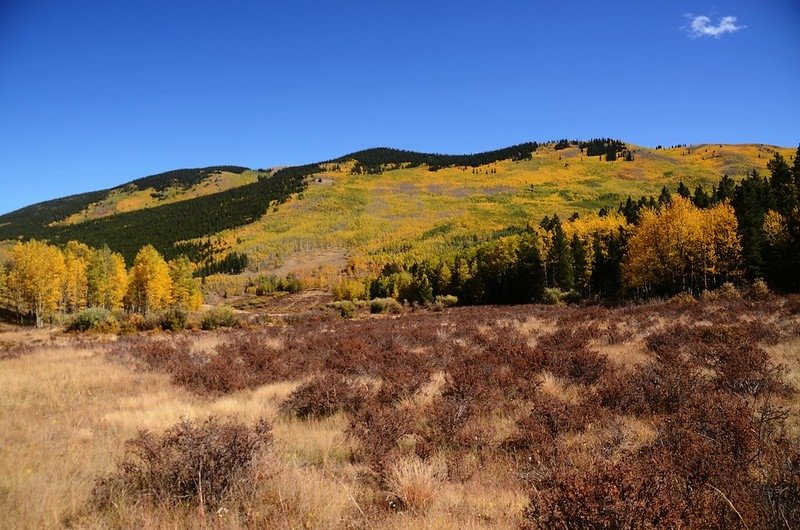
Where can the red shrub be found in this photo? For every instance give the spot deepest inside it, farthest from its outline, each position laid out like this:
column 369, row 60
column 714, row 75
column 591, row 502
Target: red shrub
column 190, row 462
column 324, row 395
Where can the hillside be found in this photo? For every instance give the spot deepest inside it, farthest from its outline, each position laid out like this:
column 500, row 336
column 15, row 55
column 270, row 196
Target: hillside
column 373, row 201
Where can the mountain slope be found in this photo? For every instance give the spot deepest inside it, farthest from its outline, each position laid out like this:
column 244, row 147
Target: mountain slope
column 373, row 201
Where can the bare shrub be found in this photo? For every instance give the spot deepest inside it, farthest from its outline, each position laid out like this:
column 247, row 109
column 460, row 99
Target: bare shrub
column 324, row 395
column 191, row 462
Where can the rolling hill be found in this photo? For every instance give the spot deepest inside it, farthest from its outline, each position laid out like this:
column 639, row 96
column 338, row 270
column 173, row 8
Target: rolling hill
column 372, row 202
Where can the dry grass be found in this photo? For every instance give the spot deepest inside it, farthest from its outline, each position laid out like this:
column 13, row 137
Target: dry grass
column 415, row 483
column 558, row 388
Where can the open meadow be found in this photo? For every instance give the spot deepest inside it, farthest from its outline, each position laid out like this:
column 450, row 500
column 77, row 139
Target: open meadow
column 676, row 414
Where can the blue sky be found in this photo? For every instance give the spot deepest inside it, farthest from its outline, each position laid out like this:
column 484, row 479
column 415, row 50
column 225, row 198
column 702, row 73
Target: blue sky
column 93, row 94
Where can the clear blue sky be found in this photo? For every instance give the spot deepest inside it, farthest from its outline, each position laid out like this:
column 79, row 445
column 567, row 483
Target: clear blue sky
column 96, row 93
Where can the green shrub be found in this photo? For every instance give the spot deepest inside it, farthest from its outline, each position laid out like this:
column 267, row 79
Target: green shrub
column 447, row 300
column 95, row 319
column 173, row 319
column 443, row 301
column 219, row 317
column 346, row 308
column 384, row 305
column 552, row 296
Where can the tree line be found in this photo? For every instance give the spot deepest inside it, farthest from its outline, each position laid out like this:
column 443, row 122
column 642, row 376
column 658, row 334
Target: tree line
column 654, row 246
column 42, row 280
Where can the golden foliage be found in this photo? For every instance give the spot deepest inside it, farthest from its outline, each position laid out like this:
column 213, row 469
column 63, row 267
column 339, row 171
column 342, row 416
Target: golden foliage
column 150, row 287
column 683, row 247
column 186, row 292
column 775, row 228
column 36, row 278
column 76, row 282
column 108, row 279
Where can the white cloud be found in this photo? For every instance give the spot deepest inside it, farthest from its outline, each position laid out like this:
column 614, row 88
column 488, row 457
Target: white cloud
column 701, row 26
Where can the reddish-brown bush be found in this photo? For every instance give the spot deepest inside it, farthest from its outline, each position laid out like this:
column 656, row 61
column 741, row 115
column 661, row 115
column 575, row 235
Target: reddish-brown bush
column 190, row 462
column 652, row 389
column 325, row 395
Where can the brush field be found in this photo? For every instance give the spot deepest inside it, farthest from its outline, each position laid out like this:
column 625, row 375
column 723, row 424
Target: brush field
column 663, row 415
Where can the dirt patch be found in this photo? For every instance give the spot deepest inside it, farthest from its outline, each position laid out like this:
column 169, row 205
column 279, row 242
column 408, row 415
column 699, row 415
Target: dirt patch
column 308, row 261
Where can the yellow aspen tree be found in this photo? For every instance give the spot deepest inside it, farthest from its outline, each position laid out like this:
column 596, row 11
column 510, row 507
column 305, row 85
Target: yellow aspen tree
column 683, row 247
column 2, row 283
column 642, row 266
column 36, row 278
column 775, row 228
column 76, row 283
column 186, row 292
column 150, row 285
column 725, row 248
column 108, row 279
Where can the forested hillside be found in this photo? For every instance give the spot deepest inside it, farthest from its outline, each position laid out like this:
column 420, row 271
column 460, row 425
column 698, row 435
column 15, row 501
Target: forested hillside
column 373, row 202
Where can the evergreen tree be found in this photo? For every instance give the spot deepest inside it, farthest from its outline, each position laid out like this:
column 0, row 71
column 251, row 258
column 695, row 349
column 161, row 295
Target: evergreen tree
column 561, row 258
column 683, row 190
column 701, row 199
column 782, row 182
column 664, row 197
column 528, row 279
column 581, row 264
column 630, row 210
column 725, row 190
column 751, row 201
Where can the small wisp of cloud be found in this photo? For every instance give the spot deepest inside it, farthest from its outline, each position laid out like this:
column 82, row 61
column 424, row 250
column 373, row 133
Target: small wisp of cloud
column 702, row 26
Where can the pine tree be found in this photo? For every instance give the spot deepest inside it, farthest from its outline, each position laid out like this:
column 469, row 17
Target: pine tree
column 725, row 189
column 751, row 201
column 683, row 190
column 561, row 258
column 529, row 278
column 581, row 264
column 664, row 197
column 782, row 182
column 701, row 199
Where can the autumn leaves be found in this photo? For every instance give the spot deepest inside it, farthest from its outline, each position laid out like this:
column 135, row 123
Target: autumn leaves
column 681, row 247
column 43, row 280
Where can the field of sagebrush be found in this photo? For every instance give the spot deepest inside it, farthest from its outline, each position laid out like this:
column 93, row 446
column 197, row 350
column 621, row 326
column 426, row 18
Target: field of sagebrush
column 665, row 415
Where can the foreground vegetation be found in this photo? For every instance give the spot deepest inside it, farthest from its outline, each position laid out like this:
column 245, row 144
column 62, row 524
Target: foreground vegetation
column 670, row 414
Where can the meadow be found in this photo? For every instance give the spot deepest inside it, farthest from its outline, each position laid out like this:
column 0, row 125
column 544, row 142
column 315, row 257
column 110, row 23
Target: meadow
column 677, row 413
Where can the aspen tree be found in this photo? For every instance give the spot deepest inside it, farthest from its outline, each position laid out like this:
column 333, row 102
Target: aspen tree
column 107, row 278
column 150, row 286
column 76, row 284
column 186, row 292
column 36, row 278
